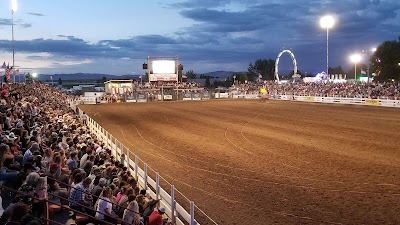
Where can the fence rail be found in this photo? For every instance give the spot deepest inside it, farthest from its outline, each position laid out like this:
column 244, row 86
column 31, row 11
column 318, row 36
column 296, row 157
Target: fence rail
column 178, row 214
column 340, row 100
column 175, row 211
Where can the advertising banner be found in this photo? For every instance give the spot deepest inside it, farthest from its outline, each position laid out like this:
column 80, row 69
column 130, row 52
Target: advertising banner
column 371, row 102
column 309, row 98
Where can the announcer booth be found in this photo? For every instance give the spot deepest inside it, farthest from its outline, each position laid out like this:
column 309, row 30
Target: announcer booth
column 118, row 87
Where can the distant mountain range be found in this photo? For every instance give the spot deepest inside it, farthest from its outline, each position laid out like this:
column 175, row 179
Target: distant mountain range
column 98, row 76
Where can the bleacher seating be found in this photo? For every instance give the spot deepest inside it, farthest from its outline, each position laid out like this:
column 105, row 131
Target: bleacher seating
column 51, row 162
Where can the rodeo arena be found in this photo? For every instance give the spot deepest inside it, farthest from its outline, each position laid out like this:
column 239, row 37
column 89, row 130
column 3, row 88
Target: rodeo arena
column 169, row 152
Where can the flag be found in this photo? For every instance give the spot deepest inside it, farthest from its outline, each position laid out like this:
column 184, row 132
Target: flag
column 363, row 71
column 4, row 65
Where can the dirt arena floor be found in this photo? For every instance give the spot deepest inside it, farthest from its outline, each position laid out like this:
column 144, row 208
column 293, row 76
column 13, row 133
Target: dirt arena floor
column 278, row 162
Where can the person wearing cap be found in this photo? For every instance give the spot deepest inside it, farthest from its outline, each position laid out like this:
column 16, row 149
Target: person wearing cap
column 156, row 218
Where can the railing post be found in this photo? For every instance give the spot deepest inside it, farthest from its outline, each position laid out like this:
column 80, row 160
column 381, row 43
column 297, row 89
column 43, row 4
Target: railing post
column 192, row 222
column 145, row 176
column 157, row 185
column 136, row 167
column 107, row 134
column 128, row 158
column 116, row 146
column 121, row 146
column 173, row 204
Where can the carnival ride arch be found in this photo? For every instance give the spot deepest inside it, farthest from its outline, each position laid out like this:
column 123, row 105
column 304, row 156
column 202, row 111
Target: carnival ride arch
column 277, row 63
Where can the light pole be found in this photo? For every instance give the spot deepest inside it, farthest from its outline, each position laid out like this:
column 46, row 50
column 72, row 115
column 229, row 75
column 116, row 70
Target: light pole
column 355, row 58
column 13, row 9
column 34, row 75
column 369, row 56
column 327, row 22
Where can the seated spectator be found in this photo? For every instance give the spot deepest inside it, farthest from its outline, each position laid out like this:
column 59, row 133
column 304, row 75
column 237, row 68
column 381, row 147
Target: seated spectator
column 104, row 207
column 98, row 189
column 17, row 212
column 131, row 213
column 21, row 177
column 28, row 153
column 149, row 208
column 53, row 186
column 140, row 201
column 40, row 195
column 88, row 165
column 123, row 201
column 77, row 198
column 72, row 161
column 156, row 218
column 27, row 189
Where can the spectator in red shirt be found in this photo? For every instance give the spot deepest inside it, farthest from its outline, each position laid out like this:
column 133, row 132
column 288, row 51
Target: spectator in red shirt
column 156, row 217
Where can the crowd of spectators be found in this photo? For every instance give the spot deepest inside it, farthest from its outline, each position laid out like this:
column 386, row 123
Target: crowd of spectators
column 174, row 85
column 384, row 90
column 47, row 151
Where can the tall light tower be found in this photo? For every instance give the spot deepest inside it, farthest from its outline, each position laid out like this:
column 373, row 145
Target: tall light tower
column 368, row 62
column 13, row 9
column 327, row 22
column 355, row 58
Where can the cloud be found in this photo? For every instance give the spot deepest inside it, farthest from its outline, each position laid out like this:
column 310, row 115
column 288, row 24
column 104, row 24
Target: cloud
column 5, row 22
column 229, row 34
column 20, row 23
column 35, row 14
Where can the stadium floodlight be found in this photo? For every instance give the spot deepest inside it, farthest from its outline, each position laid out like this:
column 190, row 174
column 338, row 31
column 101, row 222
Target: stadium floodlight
column 355, row 58
column 368, row 59
column 14, row 5
column 327, row 22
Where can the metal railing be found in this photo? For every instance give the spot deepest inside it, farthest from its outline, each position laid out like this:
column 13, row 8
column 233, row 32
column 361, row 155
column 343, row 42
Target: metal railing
column 179, row 214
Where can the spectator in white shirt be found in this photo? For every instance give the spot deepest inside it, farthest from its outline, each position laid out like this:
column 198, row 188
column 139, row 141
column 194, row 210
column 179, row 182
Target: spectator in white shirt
column 104, row 207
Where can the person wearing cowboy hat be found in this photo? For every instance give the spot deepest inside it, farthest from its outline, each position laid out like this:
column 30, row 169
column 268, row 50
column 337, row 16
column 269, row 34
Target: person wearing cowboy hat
column 11, row 137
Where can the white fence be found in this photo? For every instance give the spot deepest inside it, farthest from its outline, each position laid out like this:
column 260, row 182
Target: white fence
column 339, row 100
column 174, row 210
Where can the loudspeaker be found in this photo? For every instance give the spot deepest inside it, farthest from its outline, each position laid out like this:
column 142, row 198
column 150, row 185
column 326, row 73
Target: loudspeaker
column 145, row 66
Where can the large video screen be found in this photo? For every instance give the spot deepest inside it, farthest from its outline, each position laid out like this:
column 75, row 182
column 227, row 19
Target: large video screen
column 164, row 67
